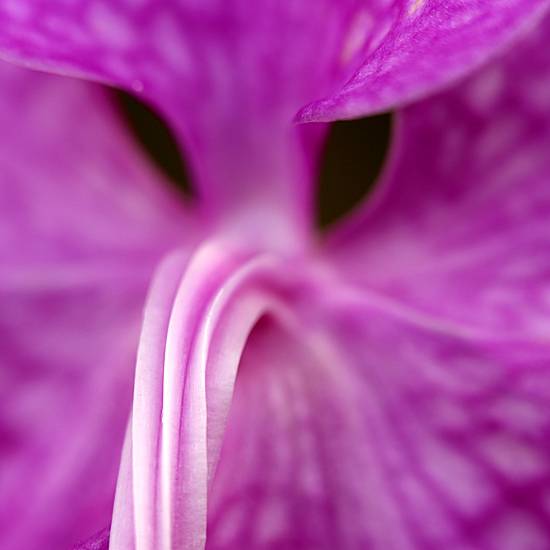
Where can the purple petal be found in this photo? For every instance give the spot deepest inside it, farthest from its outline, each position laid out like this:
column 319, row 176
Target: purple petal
column 422, row 45
column 82, row 223
column 229, row 76
column 458, row 228
column 261, row 56
column 298, row 467
column 345, row 427
column 378, row 430
column 100, row 541
column 455, row 430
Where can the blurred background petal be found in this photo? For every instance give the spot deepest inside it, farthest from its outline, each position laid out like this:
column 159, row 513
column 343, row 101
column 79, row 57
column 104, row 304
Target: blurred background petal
column 456, row 430
column 83, row 220
column 457, row 227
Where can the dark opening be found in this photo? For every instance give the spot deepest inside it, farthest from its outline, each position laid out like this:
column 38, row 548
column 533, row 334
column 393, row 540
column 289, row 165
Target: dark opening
column 155, row 138
column 354, row 156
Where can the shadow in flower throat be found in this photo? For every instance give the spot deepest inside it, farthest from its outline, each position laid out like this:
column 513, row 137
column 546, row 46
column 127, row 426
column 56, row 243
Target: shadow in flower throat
column 353, row 157
column 156, row 139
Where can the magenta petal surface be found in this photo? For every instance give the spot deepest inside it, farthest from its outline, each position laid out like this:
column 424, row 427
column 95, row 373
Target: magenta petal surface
column 456, row 430
column 82, row 223
column 371, row 428
column 445, row 314
column 402, row 47
column 457, row 228
column 229, row 76
column 298, row 468
column 421, row 46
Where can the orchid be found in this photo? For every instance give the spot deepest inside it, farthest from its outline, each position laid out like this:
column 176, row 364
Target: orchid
column 216, row 372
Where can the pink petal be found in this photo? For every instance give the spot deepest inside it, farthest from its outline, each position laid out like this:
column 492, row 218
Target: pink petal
column 369, row 428
column 298, row 467
column 82, row 223
column 197, row 321
column 349, row 424
column 418, row 46
column 458, row 228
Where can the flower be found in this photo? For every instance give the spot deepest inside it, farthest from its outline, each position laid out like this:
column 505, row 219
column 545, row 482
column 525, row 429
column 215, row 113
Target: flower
column 385, row 387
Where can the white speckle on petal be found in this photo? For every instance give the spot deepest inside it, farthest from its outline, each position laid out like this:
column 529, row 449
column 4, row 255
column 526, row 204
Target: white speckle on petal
column 518, row 415
column 380, row 33
column 110, row 27
column 230, row 523
column 485, row 90
column 171, row 44
column 271, row 522
column 501, row 137
column 357, row 35
column 463, row 481
column 415, row 6
column 512, row 458
column 16, row 9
